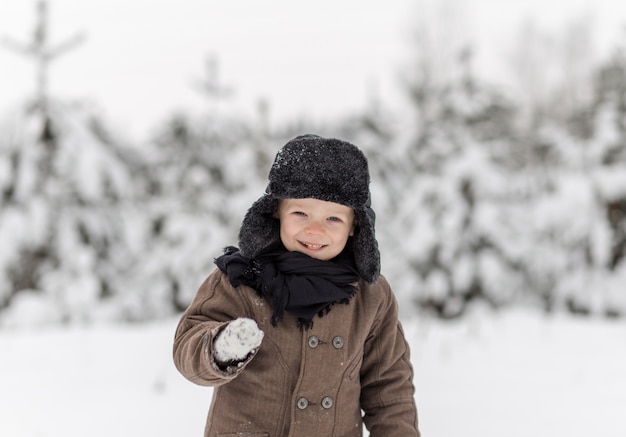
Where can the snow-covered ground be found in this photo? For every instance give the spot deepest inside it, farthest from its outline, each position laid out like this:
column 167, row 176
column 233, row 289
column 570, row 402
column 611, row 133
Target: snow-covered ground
column 504, row 375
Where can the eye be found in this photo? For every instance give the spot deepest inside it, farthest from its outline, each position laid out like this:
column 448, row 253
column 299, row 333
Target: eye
column 334, row 219
column 299, row 213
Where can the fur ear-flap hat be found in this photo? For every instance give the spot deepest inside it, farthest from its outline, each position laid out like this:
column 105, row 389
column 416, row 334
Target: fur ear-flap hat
column 327, row 169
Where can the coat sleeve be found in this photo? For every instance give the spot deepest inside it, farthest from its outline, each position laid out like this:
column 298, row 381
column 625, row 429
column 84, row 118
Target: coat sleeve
column 216, row 303
column 387, row 391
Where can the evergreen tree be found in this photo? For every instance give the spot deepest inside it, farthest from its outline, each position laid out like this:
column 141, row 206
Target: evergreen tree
column 450, row 243
column 201, row 171
column 65, row 199
column 595, row 277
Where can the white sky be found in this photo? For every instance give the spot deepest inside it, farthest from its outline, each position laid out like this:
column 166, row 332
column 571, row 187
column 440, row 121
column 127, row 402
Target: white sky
column 317, row 59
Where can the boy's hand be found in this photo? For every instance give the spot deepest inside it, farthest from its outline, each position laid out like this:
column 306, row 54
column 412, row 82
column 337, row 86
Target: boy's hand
column 240, row 337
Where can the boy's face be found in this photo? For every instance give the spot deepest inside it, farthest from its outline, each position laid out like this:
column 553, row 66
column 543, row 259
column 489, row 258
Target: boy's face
column 315, row 227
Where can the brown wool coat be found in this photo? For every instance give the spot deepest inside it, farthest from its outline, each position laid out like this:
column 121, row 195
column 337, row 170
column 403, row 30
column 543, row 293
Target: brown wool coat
column 302, row 383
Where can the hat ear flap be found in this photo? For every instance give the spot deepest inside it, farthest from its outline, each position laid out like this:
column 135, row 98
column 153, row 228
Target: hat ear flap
column 365, row 246
column 260, row 228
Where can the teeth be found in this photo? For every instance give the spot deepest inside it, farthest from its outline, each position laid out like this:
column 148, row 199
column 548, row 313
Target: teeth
column 313, row 246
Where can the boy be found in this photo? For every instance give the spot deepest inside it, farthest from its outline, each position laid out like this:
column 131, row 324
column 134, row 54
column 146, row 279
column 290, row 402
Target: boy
column 296, row 330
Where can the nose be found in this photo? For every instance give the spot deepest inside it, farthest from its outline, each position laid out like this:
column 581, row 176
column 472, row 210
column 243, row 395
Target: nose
column 314, row 228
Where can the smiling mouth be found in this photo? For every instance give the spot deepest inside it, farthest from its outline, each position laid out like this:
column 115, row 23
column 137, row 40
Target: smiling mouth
column 312, row 246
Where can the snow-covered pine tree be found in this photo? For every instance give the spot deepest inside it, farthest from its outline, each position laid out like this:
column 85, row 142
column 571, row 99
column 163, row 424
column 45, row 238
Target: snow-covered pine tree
column 593, row 279
column 197, row 168
column 502, row 204
column 206, row 170
column 568, row 225
column 68, row 193
column 450, row 233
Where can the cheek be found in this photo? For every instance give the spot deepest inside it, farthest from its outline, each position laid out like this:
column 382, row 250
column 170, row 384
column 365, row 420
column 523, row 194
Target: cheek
column 284, row 237
column 287, row 228
column 342, row 234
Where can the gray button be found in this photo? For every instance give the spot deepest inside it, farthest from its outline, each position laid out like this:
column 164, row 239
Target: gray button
column 313, row 342
column 303, row 403
column 327, row 402
column 338, row 342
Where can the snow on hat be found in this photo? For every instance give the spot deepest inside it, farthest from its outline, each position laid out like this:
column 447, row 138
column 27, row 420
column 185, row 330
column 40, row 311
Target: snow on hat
column 327, row 169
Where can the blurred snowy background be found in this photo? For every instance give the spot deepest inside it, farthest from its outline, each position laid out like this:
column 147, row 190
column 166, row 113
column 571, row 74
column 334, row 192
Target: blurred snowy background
column 134, row 136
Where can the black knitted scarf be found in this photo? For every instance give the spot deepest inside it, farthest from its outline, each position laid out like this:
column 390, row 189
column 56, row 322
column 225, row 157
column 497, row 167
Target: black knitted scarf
column 293, row 281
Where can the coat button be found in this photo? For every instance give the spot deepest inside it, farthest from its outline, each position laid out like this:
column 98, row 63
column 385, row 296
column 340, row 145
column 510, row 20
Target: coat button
column 338, row 342
column 313, row 342
column 327, row 402
column 302, row 403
